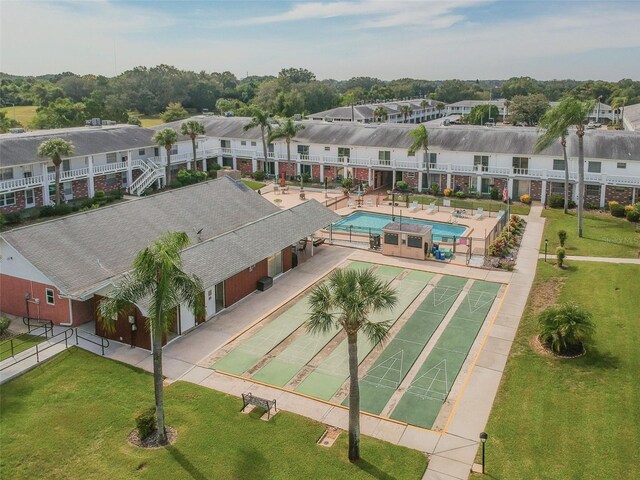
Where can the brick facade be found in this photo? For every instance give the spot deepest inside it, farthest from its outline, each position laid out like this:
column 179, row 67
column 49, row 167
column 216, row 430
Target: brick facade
column 315, row 173
column 80, row 188
column 244, row 166
column 535, row 191
column 622, row 195
column 361, row 175
column 12, row 300
column 411, row 178
column 330, row 173
column 100, row 183
column 17, row 206
column 289, row 169
column 463, row 182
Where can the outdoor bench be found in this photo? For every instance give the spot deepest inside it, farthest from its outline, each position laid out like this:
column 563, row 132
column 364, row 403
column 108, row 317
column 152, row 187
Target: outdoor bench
column 250, row 399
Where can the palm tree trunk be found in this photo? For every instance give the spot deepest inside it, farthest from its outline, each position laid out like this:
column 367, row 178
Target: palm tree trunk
column 264, row 146
column 288, row 155
column 580, row 181
column 157, row 383
column 354, row 399
column 426, row 158
column 195, row 162
column 57, row 184
column 167, row 172
column 566, row 175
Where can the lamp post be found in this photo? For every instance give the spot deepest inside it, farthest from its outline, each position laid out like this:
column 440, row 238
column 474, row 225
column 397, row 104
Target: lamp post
column 483, row 440
column 546, row 243
column 393, row 206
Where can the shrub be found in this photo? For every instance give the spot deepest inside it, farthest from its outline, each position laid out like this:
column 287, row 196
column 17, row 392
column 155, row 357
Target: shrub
column 175, row 184
column 118, row 194
column 617, row 210
column 562, row 236
column 612, row 203
column 215, row 166
column 435, row 188
column 62, row 209
column 494, row 193
column 402, row 185
column 4, row 325
column 566, row 329
column 633, row 216
column 461, row 194
column 100, row 197
column 13, row 218
column 526, row 199
column 48, row 211
column 447, row 192
column 560, row 254
column 347, row 183
column 556, row 201
column 2, row 219
column 498, row 248
column 258, row 175
column 638, row 206
column 146, row 423
column 212, row 173
column 189, row 177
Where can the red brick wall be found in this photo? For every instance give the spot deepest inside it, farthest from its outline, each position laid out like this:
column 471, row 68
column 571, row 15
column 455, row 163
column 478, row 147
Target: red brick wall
column 462, row 181
column 100, row 183
column 80, row 188
column 592, row 199
column 244, row 166
column 83, row 312
column 287, row 257
column 624, row 196
column 12, row 290
column 315, row 172
column 536, row 190
column 411, row 181
column 16, row 207
column 122, row 329
column 361, row 175
column 330, row 173
column 289, row 169
column 560, row 193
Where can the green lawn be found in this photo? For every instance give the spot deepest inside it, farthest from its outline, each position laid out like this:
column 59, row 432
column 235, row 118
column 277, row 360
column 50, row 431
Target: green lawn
column 253, row 184
column 603, row 235
column 70, row 418
column 473, row 203
column 23, row 114
column 150, row 121
column 19, row 344
column 579, row 418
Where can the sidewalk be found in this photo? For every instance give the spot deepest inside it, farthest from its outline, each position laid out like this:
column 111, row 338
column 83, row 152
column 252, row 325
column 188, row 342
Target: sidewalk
column 577, row 258
column 455, row 452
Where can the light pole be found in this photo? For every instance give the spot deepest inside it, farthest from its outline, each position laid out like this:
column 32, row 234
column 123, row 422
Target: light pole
column 546, row 242
column 483, row 439
column 598, row 110
column 393, row 206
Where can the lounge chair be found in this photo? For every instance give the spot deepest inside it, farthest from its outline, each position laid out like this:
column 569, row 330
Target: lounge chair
column 431, row 208
column 414, row 206
column 479, row 213
column 446, row 202
column 350, row 204
column 369, row 202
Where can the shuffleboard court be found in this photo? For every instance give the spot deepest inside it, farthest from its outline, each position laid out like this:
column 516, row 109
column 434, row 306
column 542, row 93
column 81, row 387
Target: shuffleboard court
column 380, row 382
column 423, row 399
column 281, row 369
column 331, row 373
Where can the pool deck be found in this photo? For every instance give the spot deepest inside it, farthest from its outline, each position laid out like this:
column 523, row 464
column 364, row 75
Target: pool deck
column 477, row 228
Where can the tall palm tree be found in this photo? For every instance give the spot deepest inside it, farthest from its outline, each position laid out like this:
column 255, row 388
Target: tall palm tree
column 440, row 106
column 554, row 126
column 193, row 128
column 405, row 111
column 420, row 137
column 158, row 279
column 166, row 138
column 345, row 301
column 260, row 119
column 616, row 104
column 380, row 113
column 573, row 111
column 507, row 104
column 424, row 104
column 55, row 149
column 286, row 129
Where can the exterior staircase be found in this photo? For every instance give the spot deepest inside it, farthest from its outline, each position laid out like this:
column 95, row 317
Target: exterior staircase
column 151, row 172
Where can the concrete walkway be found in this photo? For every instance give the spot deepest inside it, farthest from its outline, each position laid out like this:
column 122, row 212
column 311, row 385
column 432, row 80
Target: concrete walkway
column 455, row 452
column 577, row 258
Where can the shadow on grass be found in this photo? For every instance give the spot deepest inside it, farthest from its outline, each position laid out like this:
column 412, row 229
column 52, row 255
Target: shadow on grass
column 602, row 360
column 186, row 465
column 372, row 470
column 250, row 463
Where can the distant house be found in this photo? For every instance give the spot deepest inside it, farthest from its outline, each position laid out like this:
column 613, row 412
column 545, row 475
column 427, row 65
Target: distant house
column 364, row 113
column 60, row 269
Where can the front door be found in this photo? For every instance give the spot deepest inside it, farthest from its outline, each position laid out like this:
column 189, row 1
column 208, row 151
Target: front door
column 29, row 199
column 187, row 319
column 210, row 301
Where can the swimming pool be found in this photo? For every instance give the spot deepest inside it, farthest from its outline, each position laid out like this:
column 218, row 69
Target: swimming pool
column 365, row 222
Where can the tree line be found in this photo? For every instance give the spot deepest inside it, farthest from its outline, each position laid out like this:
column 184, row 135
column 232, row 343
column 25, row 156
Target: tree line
column 67, row 99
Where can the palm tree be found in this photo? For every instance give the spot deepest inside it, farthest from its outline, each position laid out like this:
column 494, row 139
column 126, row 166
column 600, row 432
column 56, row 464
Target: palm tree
column 555, row 126
column 55, row 149
column 572, row 111
column 616, row 104
column 420, row 137
column 566, row 328
column 166, row 138
column 507, row 104
column 260, row 119
column 286, row 129
column 380, row 113
column 345, row 301
column 193, row 128
column 405, row 111
column 440, row 106
column 157, row 278
column 424, row 104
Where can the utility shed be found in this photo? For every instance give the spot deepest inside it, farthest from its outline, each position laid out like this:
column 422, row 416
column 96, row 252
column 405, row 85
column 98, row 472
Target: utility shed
column 406, row 240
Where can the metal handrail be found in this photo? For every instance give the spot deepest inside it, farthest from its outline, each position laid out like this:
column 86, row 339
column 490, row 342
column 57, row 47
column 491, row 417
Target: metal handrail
column 104, row 343
column 68, row 333
column 38, row 323
column 17, row 340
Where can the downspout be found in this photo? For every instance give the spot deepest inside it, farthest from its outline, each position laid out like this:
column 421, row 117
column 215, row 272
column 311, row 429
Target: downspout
column 70, row 324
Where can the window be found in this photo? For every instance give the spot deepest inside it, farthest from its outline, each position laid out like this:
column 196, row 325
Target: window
column 594, row 167
column 391, row 238
column 6, row 174
column 243, row 142
column 384, row 156
column 481, row 162
column 66, row 165
column 592, row 190
column 305, row 169
column 111, row 157
column 414, row 242
column 67, row 188
column 344, row 152
column 174, row 150
column 621, row 165
column 558, row 164
column 433, row 158
column 410, row 174
column 156, row 151
column 620, row 190
column 225, row 143
column 111, row 179
column 51, row 300
column 142, row 152
column 327, row 149
column 521, row 164
column 253, row 144
column 303, row 151
column 557, row 188
column 7, row 199
column 29, row 198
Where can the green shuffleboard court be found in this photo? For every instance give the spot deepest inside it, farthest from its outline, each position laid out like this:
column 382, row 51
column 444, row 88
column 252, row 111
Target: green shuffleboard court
column 424, row 397
column 327, row 378
column 385, row 375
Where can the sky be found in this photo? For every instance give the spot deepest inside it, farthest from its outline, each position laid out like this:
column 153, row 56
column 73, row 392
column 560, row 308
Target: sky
column 387, row 39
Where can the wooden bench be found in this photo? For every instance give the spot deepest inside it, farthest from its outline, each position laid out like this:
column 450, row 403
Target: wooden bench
column 318, row 241
column 250, row 399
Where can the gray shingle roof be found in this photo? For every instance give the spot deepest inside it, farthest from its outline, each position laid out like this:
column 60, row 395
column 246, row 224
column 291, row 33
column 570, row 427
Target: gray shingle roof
column 632, row 116
column 21, row 148
column 85, row 249
column 219, row 127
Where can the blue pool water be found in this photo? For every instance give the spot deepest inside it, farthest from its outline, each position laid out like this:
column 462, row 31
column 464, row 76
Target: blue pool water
column 363, row 222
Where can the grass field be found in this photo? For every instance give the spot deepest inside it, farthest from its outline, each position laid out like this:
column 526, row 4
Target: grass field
column 253, row 184
column 603, row 235
column 579, row 418
column 19, row 344
column 150, row 121
column 78, row 410
column 473, row 203
column 23, row 114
